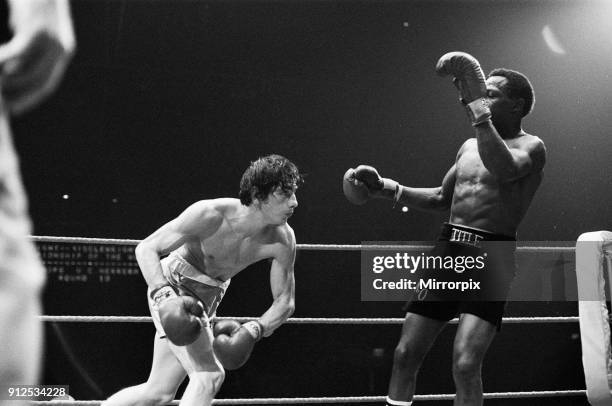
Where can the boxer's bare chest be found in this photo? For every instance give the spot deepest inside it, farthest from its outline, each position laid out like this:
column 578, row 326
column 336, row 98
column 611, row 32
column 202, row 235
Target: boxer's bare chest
column 471, row 171
column 226, row 252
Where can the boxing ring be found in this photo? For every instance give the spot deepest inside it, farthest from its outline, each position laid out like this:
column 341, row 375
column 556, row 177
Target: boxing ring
column 592, row 260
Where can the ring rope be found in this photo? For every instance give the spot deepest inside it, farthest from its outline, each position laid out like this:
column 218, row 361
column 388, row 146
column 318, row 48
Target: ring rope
column 299, row 320
column 313, row 247
column 348, row 399
column 309, row 247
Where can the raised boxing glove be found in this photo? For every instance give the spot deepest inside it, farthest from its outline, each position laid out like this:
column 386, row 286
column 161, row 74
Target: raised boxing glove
column 469, row 79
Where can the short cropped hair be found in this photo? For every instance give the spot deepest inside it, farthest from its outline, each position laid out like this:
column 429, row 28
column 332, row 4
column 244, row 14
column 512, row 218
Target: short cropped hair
column 518, row 86
column 266, row 174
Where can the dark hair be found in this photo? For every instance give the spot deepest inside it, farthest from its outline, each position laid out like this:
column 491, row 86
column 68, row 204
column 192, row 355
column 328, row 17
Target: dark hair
column 518, row 86
column 266, row 174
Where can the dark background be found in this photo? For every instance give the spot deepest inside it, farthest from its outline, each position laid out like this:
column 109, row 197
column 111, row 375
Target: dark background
column 166, row 102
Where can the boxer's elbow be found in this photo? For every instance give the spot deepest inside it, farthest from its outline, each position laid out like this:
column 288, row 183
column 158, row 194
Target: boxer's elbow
column 290, row 309
column 287, row 305
column 443, row 204
column 140, row 251
column 439, row 200
column 283, row 309
column 144, row 252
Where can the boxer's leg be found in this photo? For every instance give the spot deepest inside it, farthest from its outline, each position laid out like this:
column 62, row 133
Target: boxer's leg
column 206, row 374
column 472, row 340
column 418, row 335
column 166, row 375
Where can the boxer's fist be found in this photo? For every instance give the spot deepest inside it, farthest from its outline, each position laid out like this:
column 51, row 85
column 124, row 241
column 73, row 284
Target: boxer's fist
column 466, row 69
column 469, row 79
column 355, row 192
column 361, row 184
column 234, row 342
column 364, row 182
column 369, row 176
column 180, row 316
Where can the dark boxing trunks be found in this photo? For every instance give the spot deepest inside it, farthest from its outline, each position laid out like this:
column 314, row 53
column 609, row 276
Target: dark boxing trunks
column 492, row 268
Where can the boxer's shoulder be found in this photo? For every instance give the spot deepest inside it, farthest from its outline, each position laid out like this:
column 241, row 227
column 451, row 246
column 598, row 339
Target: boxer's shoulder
column 284, row 235
column 279, row 241
column 222, row 205
column 214, row 209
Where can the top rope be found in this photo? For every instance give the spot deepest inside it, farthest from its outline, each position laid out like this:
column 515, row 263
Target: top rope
column 305, row 247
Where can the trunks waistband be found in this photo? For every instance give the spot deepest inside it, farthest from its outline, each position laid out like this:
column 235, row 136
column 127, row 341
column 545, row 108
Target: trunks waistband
column 468, row 235
column 191, row 272
column 189, row 280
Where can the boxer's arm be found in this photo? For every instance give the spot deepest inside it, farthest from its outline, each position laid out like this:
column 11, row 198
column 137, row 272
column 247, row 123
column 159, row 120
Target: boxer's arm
column 433, row 199
column 282, row 284
column 198, row 221
column 438, row 198
column 508, row 164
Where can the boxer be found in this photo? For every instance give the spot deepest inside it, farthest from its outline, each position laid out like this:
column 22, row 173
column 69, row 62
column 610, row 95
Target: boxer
column 488, row 190
column 207, row 245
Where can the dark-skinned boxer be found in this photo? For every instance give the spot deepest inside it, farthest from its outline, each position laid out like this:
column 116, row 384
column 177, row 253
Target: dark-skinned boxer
column 488, row 190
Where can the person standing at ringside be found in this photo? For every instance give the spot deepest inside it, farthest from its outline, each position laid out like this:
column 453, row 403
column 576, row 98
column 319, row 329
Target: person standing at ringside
column 208, row 244
column 32, row 64
column 488, row 190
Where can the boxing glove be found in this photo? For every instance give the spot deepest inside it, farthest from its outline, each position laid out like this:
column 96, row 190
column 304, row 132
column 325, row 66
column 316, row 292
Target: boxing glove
column 355, row 193
column 364, row 182
column 234, row 342
column 180, row 316
column 469, row 79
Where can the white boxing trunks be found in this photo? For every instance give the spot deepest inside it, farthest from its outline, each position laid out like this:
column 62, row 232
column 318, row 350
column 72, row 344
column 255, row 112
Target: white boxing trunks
column 190, row 281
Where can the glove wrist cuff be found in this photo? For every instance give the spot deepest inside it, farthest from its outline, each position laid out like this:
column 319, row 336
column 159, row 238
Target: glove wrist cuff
column 392, row 186
column 162, row 293
column 254, row 328
column 479, row 111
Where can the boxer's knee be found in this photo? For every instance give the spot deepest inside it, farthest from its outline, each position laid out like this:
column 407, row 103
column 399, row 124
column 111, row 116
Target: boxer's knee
column 145, row 394
column 466, row 366
column 155, row 395
column 216, row 379
column 161, row 398
column 208, row 382
column 405, row 357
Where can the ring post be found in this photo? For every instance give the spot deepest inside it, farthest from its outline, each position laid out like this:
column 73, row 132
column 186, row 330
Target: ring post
column 593, row 253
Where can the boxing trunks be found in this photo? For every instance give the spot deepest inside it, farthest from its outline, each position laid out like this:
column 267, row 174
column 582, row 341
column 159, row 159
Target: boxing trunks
column 492, row 268
column 190, row 281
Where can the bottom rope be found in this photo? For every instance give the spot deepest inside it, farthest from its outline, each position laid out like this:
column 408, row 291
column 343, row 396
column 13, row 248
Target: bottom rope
column 350, row 399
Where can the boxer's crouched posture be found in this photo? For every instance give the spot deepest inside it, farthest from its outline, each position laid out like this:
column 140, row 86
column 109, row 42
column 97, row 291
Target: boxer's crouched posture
column 209, row 243
column 488, row 190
